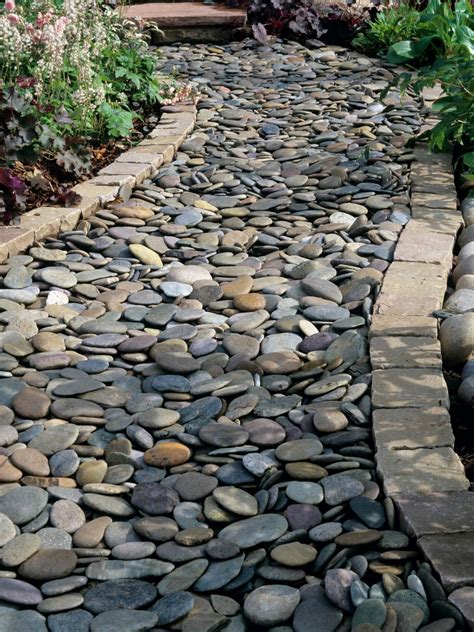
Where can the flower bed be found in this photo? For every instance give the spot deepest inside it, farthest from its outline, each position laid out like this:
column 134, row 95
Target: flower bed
column 76, row 78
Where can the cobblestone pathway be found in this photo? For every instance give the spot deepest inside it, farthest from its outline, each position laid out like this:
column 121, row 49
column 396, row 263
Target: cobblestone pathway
column 185, row 419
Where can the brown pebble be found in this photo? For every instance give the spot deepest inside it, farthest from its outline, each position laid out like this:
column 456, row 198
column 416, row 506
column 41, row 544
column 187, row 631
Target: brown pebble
column 249, row 302
column 30, row 461
column 48, row 564
column 8, row 472
column 31, row 403
column 91, row 533
column 358, row 538
column 167, row 454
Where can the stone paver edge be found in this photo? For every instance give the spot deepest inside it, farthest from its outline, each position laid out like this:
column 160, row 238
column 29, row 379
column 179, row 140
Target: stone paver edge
column 411, row 424
column 116, row 180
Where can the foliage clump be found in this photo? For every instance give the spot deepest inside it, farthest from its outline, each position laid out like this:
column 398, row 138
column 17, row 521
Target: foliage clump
column 301, row 19
column 73, row 74
column 437, row 42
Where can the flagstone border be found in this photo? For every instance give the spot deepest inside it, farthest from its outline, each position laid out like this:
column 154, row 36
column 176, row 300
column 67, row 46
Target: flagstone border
column 116, row 180
column 412, row 431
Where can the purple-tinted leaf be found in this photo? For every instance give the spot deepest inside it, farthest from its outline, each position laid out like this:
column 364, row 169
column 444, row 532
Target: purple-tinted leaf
column 10, row 182
column 260, row 33
column 66, row 197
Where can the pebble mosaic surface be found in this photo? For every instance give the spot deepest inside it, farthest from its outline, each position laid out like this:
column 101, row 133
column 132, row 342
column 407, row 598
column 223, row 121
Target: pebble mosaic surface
column 185, row 393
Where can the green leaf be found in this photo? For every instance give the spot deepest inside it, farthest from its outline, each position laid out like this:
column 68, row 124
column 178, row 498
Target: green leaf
column 468, row 159
column 400, row 52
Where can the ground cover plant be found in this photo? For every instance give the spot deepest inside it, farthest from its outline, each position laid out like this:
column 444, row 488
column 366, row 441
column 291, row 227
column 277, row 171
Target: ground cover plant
column 74, row 76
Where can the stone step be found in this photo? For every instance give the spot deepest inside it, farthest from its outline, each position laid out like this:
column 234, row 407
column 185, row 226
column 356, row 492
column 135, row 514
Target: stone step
column 190, row 21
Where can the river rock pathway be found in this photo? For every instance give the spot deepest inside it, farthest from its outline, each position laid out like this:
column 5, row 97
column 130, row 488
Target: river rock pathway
column 185, row 394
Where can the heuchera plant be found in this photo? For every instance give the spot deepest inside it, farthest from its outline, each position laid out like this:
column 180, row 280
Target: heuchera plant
column 306, row 18
column 23, row 136
column 284, row 17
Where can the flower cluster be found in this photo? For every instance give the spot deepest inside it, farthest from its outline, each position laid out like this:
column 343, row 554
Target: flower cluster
column 63, row 50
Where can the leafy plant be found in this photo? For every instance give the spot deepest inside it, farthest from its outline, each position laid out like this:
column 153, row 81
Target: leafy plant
column 283, row 17
column 455, row 108
column 442, row 31
column 308, row 18
column 23, row 135
column 391, row 25
column 79, row 55
column 73, row 75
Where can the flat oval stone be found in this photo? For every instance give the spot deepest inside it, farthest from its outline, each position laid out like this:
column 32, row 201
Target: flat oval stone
column 92, row 532
column 77, row 387
column 108, row 504
column 157, row 418
column 371, row 611
column 294, row 554
column 48, row 564
column 67, row 515
column 325, row 532
column 236, row 500
column 256, row 530
column 302, row 516
column 305, row 492
column 23, row 504
column 61, row 586
column 22, row 621
column 31, row 403
column 7, row 529
column 124, row 569
column 154, row 499
column 182, row 577
column 337, row 583
column 271, row 605
column 157, row 528
column 72, row 621
column 62, row 602
column 58, row 276
column 55, row 439
column 315, row 606
column 339, row 488
column 173, row 607
column 223, row 435
column 264, row 432
column 52, row 538
column 133, row 550
column 369, row 511
column 121, row 593
column 303, row 470
column 358, row 538
column 167, row 454
column 31, row 462
column 195, row 485
column 299, row 450
column 19, row 549
column 19, row 592
column 130, row 620
column 219, row 574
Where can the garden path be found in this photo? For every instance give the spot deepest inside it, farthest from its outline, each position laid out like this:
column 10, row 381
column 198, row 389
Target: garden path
column 185, row 419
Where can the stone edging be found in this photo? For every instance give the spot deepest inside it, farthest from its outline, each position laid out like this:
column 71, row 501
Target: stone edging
column 117, row 179
column 411, row 423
